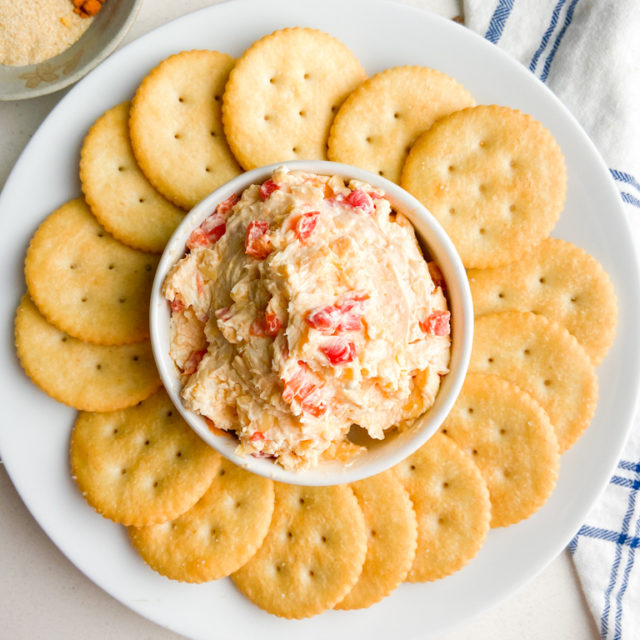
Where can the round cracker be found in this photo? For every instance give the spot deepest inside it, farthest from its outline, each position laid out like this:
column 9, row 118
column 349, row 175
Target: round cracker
column 176, row 129
column 494, row 178
column 560, row 281
column 87, row 283
column 512, row 442
column 392, row 533
column 85, row 376
column 312, row 555
column 140, row 465
column 377, row 124
column 217, row 535
column 119, row 195
column 543, row 359
column 452, row 506
column 283, row 93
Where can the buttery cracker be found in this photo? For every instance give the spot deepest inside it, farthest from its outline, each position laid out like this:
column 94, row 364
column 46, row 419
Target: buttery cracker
column 176, row 130
column 85, row 376
column 543, row 359
column 493, row 177
column 377, row 124
column 312, row 555
column 557, row 280
column 392, row 535
column 511, row 440
column 283, row 94
column 452, row 506
column 117, row 192
column 217, row 535
column 142, row 465
column 87, row 283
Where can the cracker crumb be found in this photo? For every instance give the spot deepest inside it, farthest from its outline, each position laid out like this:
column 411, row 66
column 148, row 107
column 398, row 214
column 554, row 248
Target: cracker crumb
column 31, row 32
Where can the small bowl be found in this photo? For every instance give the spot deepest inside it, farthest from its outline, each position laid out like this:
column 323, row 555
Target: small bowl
column 107, row 29
column 380, row 454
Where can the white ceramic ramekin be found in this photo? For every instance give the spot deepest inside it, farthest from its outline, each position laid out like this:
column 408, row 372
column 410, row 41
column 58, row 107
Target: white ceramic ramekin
column 380, row 454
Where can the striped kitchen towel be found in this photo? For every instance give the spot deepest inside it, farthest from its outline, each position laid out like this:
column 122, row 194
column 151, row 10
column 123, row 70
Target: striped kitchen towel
column 588, row 53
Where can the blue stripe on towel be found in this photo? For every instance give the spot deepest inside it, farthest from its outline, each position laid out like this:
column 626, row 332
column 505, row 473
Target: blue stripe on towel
column 629, row 199
column 628, row 465
column 625, row 482
column 498, row 20
column 627, row 571
column 604, row 619
column 547, row 35
column 627, row 178
column 556, row 44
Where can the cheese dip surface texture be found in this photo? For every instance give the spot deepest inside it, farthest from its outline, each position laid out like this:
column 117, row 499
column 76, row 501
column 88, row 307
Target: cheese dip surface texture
column 302, row 307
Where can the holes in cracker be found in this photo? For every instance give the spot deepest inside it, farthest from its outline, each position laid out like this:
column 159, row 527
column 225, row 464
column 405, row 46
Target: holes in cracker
column 63, row 339
column 445, row 485
column 501, row 294
column 574, row 299
column 451, row 168
column 123, row 472
column 482, row 231
column 178, row 454
column 368, row 139
column 272, row 80
column 512, row 208
column 213, row 134
column 121, row 169
column 294, row 150
column 482, row 144
column 169, row 414
column 302, row 113
column 527, row 352
column 73, row 265
column 83, row 299
column 470, row 409
column 222, row 472
column 207, row 169
column 396, row 115
column 98, row 366
column 177, row 136
column 324, row 539
column 100, row 234
column 140, row 200
column 381, row 173
column 412, row 467
column 122, row 300
column 147, row 267
column 490, row 360
column 217, row 98
column 474, row 452
column 311, row 573
column 373, row 533
column 180, row 99
column 547, row 383
column 542, row 279
column 452, row 211
column 306, row 76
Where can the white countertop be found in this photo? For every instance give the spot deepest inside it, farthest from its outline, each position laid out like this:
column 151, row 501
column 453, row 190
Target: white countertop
column 42, row 595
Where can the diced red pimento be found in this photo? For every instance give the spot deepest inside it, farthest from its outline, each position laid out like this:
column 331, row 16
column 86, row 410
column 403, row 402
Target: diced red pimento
column 270, row 325
column 306, row 224
column 300, row 388
column 258, row 435
column 226, row 205
column 214, row 226
column 177, row 305
column 437, row 323
column 339, row 351
column 267, row 188
column 345, row 315
column 257, row 242
column 191, row 364
column 361, row 200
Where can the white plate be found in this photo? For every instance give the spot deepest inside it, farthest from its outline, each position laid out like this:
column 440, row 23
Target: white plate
column 35, row 430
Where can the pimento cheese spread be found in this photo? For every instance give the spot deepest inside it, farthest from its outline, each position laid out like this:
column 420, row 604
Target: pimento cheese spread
column 302, row 307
